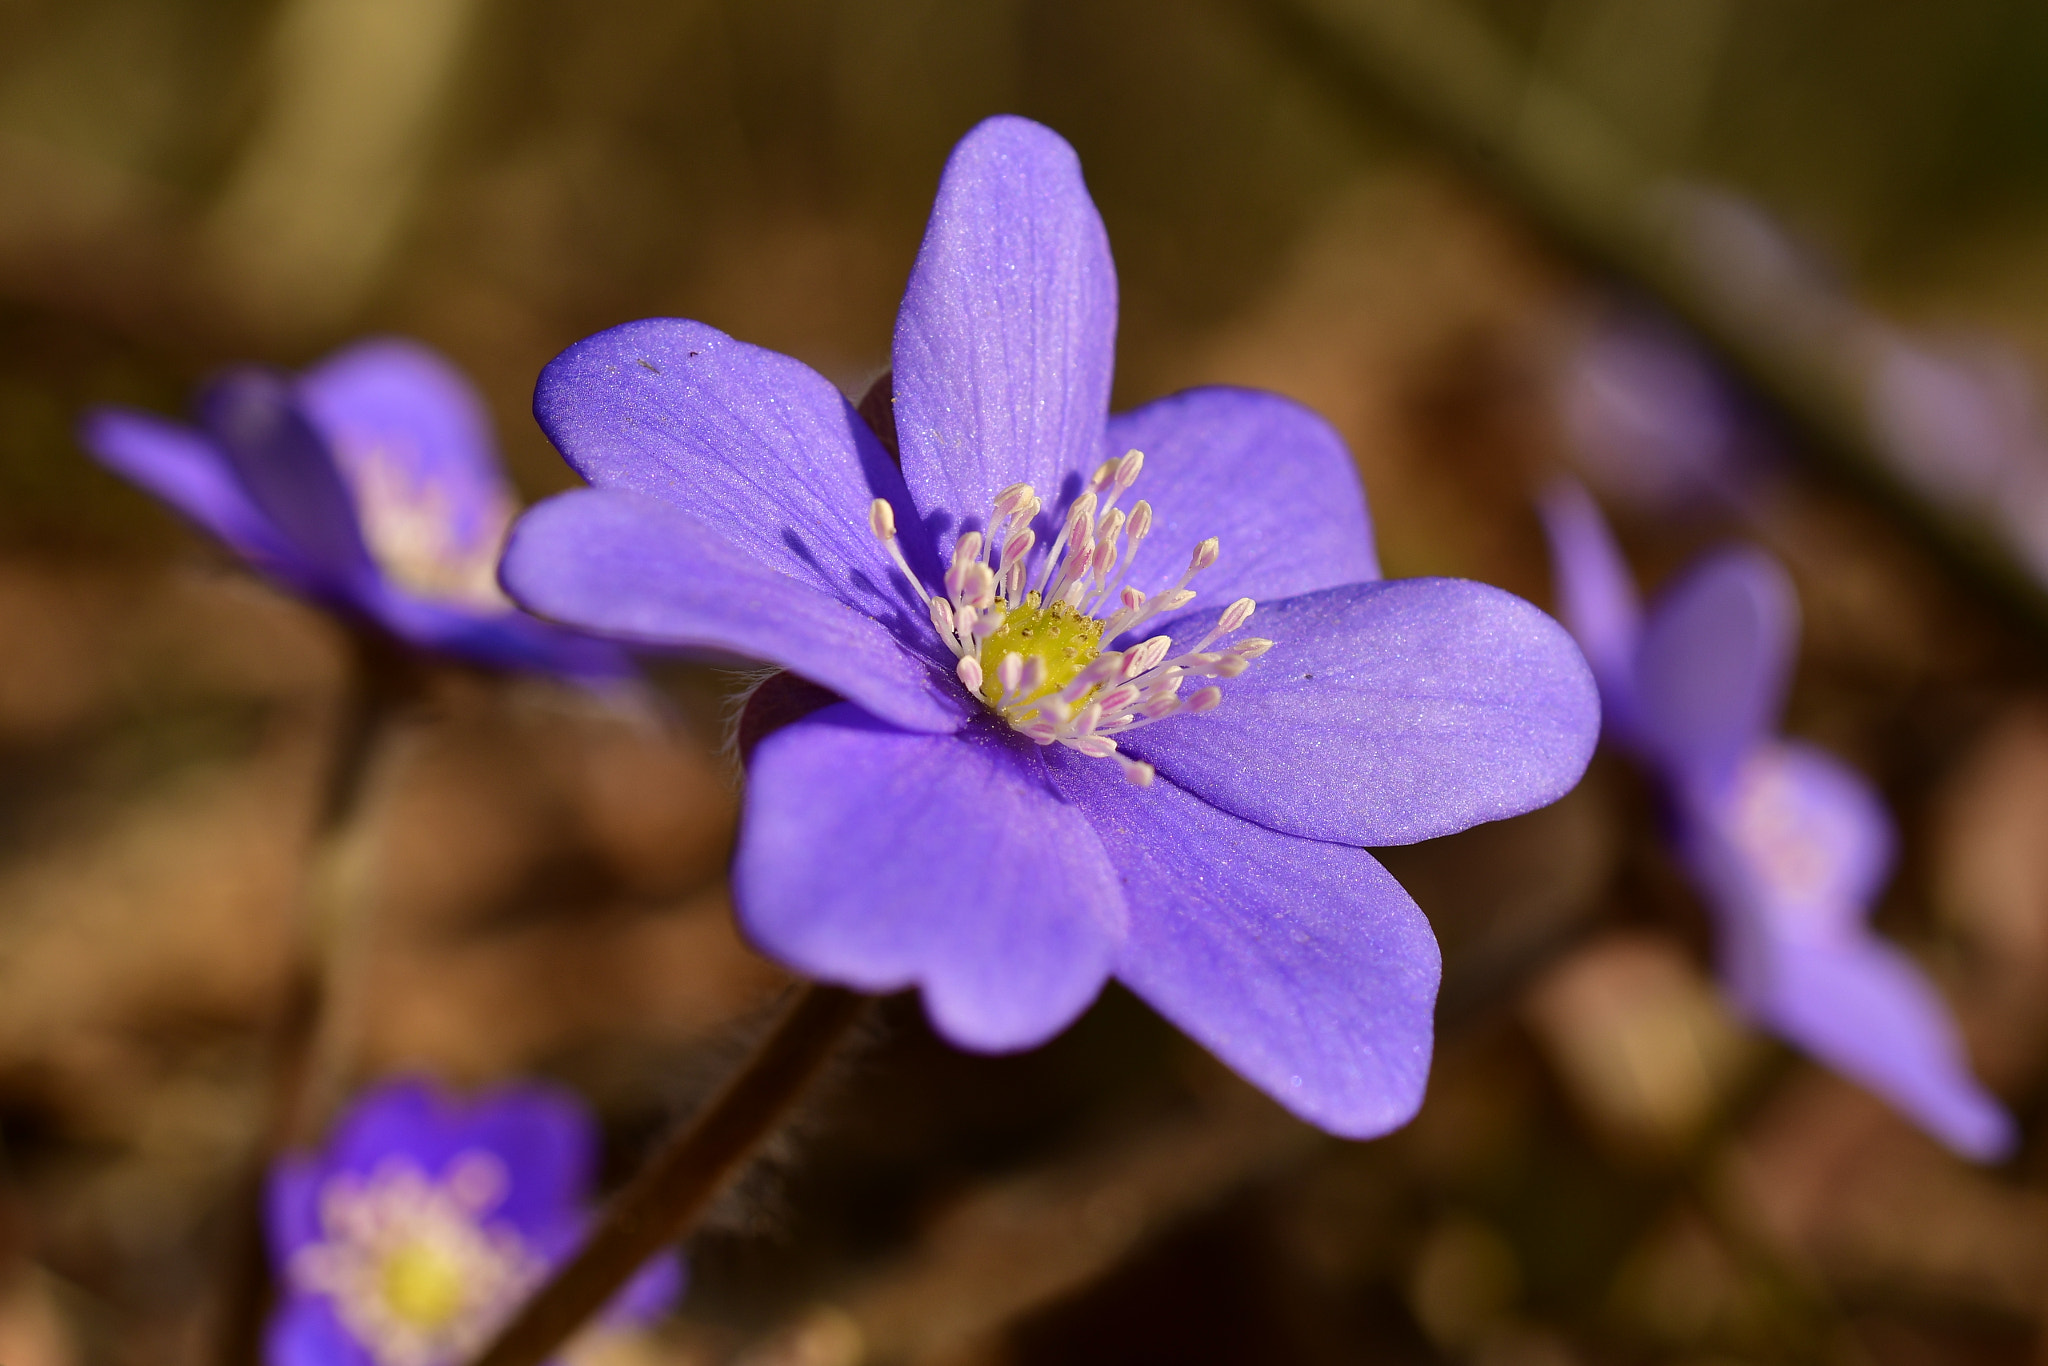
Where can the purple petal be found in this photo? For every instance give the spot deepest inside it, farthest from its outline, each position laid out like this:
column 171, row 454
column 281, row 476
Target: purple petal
column 401, row 1116
column 1597, row 597
column 396, row 401
column 627, row 566
column 1791, row 838
column 1388, row 713
column 1007, row 335
column 502, row 640
column 651, row 1293
column 547, row 1142
column 1714, row 661
column 878, row 859
column 1302, row 965
column 759, row 445
column 190, row 473
column 1866, row 1010
column 291, row 1206
column 284, row 464
column 305, row 1332
column 1265, row 476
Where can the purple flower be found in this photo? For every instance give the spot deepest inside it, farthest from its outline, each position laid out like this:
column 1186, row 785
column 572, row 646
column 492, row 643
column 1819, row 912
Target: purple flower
column 1030, row 786
column 369, row 484
column 1788, row 845
column 427, row 1220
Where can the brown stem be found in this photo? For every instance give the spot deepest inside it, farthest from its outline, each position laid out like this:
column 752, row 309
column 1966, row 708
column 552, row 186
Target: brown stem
column 385, row 683
column 661, row 1204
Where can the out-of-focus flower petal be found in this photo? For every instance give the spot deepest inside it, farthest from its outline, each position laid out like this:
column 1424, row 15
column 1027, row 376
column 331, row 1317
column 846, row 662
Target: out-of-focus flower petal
column 1714, row 661
column 502, row 640
column 1007, row 333
column 877, row 858
column 1388, row 713
column 395, row 1117
column 1268, row 478
column 547, row 1142
column 283, row 463
column 395, row 400
column 305, row 1332
column 1302, row 965
column 291, row 1205
column 1793, row 837
column 189, row 472
column 757, row 445
column 1866, row 1010
column 1597, row 597
column 627, row 566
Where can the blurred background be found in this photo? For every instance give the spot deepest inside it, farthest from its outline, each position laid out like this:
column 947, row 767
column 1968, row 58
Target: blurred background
column 1610, row 1167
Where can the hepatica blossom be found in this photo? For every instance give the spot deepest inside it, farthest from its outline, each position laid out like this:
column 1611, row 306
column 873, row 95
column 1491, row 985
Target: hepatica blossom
column 370, row 484
column 1060, row 755
column 1788, row 845
column 426, row 1221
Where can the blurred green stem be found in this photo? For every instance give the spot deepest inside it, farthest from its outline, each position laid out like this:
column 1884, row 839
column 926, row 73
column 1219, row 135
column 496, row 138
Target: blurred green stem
column 665, row 1200
column 1441, row 69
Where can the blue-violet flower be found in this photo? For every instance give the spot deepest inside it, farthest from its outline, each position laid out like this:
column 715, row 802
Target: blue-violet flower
column 370, row 484
column 1787, row 845
column 426, row 1220
column 1035, row 781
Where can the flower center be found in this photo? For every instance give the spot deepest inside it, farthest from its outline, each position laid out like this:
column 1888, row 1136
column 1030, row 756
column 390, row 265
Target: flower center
column 424, row 538
column 1032, row 645
column 414, row 1272
column 1783, row 835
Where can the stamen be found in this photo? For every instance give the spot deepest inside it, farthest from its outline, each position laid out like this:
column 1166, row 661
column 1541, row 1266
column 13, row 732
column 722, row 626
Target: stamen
column 1058, row 680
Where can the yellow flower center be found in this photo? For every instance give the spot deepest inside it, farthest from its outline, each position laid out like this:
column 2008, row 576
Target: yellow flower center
column 1065, row 640
column 423, row 1285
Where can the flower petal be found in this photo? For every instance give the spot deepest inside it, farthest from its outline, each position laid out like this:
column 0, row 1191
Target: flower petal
column 285, row 466
column 291, row 1205
column 1714, row 661
column 189, row 472
column 623, row 565
column 1302, row 965
column 396, row 401
column 305, row 1332
column 880, row 859
column 1387, row 713
column 1597, row 597
column 760, row 445
column 1006, row 339
column 1793, row 839
column 500, row 640
column 547, row 1142
column 1269, row 479
column 1867, row 1011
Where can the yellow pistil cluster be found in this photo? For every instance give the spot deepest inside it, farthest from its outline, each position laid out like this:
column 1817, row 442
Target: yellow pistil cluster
column 1033, row 635
column 1065, row 639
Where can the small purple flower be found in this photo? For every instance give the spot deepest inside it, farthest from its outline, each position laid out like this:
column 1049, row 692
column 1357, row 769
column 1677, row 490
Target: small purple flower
column 1010, row 806
column 1787, row 844
column 370, row 484
column 426, row 1220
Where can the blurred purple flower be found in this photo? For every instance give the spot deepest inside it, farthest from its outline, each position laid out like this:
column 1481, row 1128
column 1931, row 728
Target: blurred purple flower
column 1649, row 418
column 1788, row 845
column 369, row 484
column 425, row 1221
column 979, row 816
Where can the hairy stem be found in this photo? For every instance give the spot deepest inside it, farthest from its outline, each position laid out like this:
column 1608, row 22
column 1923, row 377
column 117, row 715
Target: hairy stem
column 671, row 1192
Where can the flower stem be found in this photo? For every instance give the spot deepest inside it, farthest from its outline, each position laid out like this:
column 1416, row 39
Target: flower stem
column 661, row 1204
column 301, row 1052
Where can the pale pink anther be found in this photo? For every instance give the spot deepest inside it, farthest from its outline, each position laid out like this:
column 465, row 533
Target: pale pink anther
column 1086, row 569
column 1010, row 673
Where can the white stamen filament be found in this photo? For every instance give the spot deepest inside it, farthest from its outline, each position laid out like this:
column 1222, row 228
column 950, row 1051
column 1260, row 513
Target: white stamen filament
column 1086, row 567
